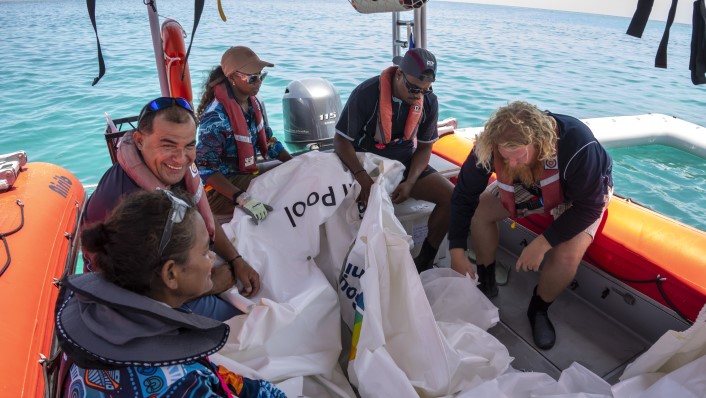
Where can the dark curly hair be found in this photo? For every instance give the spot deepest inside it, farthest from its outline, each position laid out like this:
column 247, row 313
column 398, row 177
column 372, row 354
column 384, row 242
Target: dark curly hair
column 126, row 244
column 215, row 77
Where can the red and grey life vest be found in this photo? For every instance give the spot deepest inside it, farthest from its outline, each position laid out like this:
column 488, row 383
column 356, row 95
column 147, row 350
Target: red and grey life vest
column 241, row 133
column 383, row 132
column 552, row 195
column 132, row 163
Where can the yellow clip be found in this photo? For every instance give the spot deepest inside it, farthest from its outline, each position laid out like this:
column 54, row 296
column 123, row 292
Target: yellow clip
column 513, row 225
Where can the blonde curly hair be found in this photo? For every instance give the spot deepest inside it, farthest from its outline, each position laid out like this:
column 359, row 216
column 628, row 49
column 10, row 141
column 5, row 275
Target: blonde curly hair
column 517, row 124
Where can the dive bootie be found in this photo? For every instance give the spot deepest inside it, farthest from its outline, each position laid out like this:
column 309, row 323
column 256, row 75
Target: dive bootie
column 423, row 263
column 486, row 279
column 542, row 329
column 425, row 259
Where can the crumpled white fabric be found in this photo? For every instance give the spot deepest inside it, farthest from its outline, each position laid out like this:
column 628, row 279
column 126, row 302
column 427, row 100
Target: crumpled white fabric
column 292, row 329
column 316, row 253
column 400, row 346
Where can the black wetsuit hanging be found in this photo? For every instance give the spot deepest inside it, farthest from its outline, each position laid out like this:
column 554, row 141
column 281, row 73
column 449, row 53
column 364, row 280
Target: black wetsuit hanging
column 697, row 62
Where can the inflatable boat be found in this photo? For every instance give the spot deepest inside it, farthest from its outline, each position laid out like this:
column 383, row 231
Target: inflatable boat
column 603, row 322
column 39, row 214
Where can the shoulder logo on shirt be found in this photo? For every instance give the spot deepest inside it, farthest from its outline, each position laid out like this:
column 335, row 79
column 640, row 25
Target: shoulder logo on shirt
column 194, row 170
column 551, row 164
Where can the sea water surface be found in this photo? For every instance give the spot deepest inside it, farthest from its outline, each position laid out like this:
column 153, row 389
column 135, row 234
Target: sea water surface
column 578, row 64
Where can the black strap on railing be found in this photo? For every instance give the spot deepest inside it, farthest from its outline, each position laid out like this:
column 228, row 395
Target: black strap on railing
column 91, row 4
column 4, row 235
column 198, row 10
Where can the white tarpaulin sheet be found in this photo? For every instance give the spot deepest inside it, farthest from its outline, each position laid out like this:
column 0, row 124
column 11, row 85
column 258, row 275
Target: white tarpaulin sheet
column 331, row 273
column 292, row 329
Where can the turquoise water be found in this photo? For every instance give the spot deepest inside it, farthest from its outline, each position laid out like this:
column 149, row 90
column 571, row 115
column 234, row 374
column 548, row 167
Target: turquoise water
column 572, row 63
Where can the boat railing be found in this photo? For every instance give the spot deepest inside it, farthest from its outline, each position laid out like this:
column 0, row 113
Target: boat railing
column 114, row 132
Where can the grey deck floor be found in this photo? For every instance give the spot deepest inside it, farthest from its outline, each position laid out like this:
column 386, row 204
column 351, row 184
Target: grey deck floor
column 584, row 334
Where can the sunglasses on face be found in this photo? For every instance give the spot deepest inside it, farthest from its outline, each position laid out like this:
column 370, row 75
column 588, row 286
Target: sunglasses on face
column 414, row 89
column 252, row 79
column 164, row 103
column 176, row 216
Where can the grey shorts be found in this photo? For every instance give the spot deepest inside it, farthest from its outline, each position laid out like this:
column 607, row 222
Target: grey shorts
column 522, row 195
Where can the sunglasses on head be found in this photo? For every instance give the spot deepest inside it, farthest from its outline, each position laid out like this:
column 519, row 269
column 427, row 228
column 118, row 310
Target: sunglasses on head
column 414, row 89
column 164, row 103
column 253, row 78
column 176, row 216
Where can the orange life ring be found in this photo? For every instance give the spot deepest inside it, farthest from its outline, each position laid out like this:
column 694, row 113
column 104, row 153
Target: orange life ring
column 174, row 56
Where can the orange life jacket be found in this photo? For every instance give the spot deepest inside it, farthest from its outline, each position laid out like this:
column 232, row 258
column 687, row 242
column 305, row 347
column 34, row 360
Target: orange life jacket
column 383, row 132
column 132, row 163
column 241, row 133
column 552, row 195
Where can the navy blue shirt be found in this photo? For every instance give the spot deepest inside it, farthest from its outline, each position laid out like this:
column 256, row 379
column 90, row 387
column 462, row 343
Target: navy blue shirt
column 585, row 173
column 359, row 120
column 113, row 186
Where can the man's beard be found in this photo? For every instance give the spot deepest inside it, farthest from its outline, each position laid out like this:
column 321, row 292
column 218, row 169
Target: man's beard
column 527, row 174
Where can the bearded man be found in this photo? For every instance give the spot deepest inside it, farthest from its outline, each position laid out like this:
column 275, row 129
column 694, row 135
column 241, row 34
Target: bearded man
column 544, row 162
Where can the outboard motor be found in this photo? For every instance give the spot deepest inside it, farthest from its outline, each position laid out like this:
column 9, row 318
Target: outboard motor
column 311, row 107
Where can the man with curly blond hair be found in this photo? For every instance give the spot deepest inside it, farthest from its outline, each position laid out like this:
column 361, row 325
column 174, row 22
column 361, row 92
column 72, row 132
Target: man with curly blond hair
column 544, row 163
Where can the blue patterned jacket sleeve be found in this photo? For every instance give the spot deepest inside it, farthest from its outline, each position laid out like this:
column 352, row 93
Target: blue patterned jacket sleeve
column 212, row 142
column 189, row 380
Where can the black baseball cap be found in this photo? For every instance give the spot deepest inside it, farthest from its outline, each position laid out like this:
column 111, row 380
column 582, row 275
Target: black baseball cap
column 417, row 62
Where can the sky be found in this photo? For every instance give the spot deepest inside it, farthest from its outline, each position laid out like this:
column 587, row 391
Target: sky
column 624, row 8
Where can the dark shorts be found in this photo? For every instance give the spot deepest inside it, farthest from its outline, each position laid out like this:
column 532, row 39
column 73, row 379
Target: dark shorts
column 426, row 172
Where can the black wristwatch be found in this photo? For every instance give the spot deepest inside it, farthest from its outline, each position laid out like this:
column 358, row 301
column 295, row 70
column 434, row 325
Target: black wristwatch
column 235, row 197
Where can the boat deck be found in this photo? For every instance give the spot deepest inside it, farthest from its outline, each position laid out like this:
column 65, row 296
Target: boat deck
column 584, row 333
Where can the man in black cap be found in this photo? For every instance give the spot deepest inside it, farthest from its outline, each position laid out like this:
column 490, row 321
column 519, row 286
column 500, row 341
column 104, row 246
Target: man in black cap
column 394, row 115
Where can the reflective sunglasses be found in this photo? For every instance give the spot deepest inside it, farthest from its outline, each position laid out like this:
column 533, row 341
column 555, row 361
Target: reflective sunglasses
column 164, row 103
column 252, row 79
column 414, row 89
column 176, row 216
